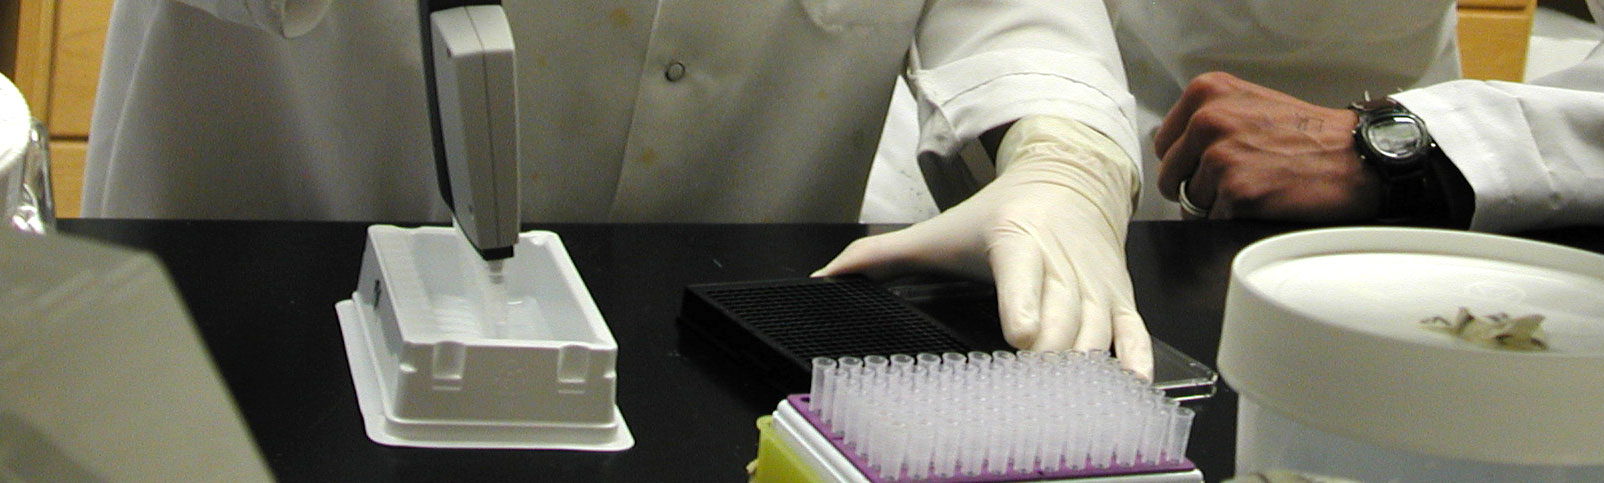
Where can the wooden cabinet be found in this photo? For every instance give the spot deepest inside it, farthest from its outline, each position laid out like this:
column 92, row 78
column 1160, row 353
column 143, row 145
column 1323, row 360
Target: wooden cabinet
column 1493, row 37
column 55, row 48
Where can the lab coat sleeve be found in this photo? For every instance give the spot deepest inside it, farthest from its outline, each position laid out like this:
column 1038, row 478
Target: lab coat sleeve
column 1532, row 153
column 289, row 18
column 978, row 64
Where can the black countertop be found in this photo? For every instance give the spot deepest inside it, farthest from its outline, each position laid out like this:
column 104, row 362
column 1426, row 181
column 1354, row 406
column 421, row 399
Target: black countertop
column 263, row 294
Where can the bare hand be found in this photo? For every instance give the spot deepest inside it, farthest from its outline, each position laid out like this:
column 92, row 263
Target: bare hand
column 1248, row 151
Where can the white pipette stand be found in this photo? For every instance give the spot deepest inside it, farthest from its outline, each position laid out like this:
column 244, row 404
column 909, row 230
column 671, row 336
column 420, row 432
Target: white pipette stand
column 452, row 342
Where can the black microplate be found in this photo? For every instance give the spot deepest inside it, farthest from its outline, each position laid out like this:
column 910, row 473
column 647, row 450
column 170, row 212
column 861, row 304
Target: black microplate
column 779, row 326
column 774, row 328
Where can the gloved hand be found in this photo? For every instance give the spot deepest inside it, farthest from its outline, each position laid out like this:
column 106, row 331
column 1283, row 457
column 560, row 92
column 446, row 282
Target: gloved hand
column 1049, row 231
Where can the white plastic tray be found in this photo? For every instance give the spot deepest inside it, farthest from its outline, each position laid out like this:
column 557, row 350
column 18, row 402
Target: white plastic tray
column 431, row 370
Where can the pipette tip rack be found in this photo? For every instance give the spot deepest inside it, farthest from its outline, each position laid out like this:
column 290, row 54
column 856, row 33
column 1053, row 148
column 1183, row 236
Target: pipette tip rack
column 998, row 416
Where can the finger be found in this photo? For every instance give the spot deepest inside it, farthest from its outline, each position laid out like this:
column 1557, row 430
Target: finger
column 1096, row 322
column 1060, row 304
column 1190, row 209
column 1016, row 263
column 879, row 256
column 1197, row 93
column 1183, row 159
column 1222, row 205
column 1225, row 210
column 1203, row 188
column 1132, row 343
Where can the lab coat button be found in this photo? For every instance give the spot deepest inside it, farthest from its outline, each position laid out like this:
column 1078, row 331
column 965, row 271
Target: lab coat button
column 674, row 72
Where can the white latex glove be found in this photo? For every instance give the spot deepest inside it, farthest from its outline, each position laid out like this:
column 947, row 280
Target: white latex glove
column 1049, row 231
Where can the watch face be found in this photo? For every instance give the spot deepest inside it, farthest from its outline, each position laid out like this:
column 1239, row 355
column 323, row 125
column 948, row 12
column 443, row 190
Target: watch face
column 1396, row 138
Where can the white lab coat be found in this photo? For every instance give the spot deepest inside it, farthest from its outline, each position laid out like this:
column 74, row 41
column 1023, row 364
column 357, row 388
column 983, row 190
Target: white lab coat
column 1328, row 52
column 207, row 110
column 1533, row 153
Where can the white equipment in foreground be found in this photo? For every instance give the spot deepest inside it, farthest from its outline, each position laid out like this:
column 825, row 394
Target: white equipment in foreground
column 1323, row 339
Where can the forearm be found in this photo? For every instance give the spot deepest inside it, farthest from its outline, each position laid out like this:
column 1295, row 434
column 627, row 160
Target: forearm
column 1075, row 156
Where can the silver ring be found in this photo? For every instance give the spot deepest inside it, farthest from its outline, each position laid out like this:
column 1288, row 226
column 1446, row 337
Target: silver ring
column 1188, row 207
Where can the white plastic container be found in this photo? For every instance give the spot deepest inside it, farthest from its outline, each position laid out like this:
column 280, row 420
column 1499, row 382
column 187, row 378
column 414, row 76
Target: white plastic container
column 443, row 357
column 1322, row 339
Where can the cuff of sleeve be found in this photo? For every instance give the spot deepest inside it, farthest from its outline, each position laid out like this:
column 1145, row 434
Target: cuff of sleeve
column 962, row 99
column 1501, row 165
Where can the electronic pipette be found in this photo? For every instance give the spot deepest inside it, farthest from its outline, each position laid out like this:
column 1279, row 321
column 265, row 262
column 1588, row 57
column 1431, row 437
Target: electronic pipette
column 471, row 73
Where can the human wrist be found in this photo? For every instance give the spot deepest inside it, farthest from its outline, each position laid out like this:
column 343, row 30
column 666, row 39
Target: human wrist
column 1074, row 147
column 1419, row 185
column 1090, row 174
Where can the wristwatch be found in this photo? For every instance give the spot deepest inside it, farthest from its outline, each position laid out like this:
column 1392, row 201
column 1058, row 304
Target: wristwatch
column 1395, row 143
